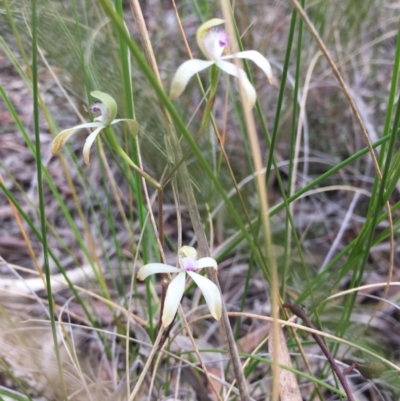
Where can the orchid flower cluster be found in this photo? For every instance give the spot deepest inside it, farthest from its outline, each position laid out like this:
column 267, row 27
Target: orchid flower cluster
column 214, row 43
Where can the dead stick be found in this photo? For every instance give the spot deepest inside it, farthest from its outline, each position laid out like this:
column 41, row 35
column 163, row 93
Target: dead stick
column 296, row 310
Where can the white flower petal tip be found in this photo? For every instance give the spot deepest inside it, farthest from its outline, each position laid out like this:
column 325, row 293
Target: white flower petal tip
column 133, row 127
column 207, row 262
column 89, row 142
column 60, row 139
column 154, row 268
column 63, row 136
column 211, row 294
column 257, row 59
column 184, row 73
column 237, row 72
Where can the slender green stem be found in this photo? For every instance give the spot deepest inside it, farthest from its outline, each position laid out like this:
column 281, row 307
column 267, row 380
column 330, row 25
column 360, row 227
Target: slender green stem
column 117, row 147
column 42, row 210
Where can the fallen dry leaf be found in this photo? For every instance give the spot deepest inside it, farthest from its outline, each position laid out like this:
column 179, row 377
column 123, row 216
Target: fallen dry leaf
column 288, row 387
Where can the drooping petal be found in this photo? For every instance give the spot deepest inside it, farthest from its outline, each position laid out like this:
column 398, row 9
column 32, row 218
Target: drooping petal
column 203, row 30
column 63, row 136
column 173, row 298
column 232, row 69
column 154, row 268
column 207, row 262
column 211, row 293
column 133, row 125
column 108, row 107
column 257, row 58
column 89, row 142
column 184, row 73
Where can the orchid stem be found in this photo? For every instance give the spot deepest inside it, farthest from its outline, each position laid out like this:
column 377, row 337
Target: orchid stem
column 204, row 122
column 116, row 146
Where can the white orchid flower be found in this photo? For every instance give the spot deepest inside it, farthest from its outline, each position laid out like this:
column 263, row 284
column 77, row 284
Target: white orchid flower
column 107, row 108
column 188, row 262
column 213, row 42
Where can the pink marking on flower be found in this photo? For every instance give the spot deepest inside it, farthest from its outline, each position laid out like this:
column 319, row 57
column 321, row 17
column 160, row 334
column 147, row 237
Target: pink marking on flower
column 215, row 42
column 188, row 264
column 95, row 108
column 223, row 39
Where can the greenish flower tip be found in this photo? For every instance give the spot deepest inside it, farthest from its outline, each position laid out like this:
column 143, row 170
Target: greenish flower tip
column 188, row 263
column 214, row 44
column 106, row 111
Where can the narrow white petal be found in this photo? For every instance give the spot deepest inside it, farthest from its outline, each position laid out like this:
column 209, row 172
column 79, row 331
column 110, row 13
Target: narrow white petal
column 154, row 268
column 173, row 298
column 207, row 262
column 211, row 293
column 89, row 142
column 133, row 124
column 184, row 73
column 257, row 58
column 63, row 136
column 231, row 69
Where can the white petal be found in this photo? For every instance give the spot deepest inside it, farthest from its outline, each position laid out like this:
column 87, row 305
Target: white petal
column 211, row 294
column 257, row 58
column 231, row 69
column 173, row 298
column 207, row 262
column 154, row 268
column 184, row 73
column 89, row 142
column 133, row 125
column 63, row 136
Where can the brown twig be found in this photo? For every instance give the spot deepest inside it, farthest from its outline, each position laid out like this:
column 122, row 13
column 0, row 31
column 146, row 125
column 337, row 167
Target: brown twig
column 341, row 376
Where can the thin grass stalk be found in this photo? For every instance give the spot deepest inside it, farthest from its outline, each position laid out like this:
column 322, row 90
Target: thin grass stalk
column 272, row 158
column 42, row 211
column 293, row 132
column 390, row 150
column 384, row 192
column 17, row 35
column 263, row 204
